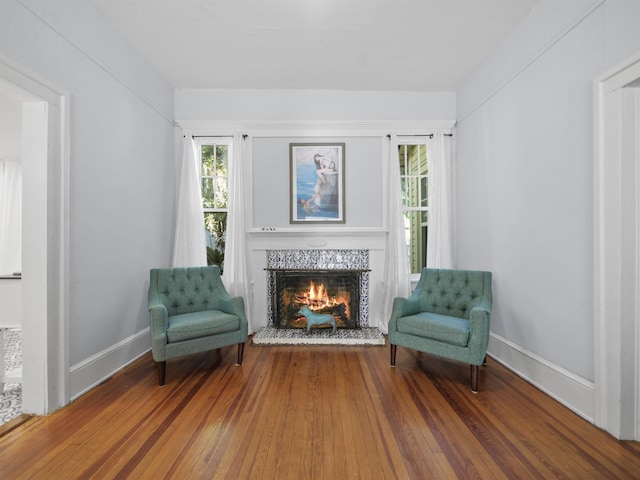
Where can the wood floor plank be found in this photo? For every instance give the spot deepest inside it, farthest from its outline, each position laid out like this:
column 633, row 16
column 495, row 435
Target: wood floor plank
column 314, row 412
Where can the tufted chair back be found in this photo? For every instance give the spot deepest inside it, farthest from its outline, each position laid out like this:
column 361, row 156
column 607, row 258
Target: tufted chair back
column 454, row 292
column 187, row 290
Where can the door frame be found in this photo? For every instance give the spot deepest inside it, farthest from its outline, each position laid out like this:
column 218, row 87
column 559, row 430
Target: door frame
column 616, row 288
column 45, row 271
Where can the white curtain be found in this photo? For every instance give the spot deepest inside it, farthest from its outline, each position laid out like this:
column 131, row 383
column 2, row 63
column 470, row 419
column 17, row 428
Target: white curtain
column 396, row 264
column 10, row 216
column 439, row 241
column 190, row 249
column 236, row 276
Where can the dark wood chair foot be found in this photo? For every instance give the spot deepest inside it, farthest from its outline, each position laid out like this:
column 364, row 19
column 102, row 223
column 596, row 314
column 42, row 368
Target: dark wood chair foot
column 162, row 368
column 474, row 378
column 393, row 354
column 484, row 362
column 240, row 353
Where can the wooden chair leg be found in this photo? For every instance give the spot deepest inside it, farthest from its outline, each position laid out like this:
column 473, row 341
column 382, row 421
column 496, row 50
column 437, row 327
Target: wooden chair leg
column 393, row 354
column 162, row 367
column 474, row 378
column 240, row 353
column 484, row 362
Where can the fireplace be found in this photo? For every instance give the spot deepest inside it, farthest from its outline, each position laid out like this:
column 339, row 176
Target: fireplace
column 333, row 292
column 334, row 282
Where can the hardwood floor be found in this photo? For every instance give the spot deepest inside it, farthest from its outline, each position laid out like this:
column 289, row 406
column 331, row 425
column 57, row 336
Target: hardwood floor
column 314, row 413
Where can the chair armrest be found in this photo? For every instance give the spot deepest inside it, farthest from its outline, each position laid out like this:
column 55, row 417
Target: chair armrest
column 235, row 306
column 403, row 307
column 157, row 309
column 479, row 325
column 159, row 324
column 229, row 304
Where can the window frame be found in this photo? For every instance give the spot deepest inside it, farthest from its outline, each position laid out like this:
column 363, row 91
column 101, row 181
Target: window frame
column 421, row 204
column 214, row 141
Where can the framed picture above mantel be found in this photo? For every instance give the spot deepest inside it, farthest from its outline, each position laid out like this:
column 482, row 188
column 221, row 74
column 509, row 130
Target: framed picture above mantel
column 317, row 182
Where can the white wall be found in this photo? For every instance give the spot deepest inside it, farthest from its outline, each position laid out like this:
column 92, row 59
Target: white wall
column 524, row 204
column 10, row 154
column 312, row 105
column 121, row 172
column 10, row 302
column 10, row 147
column 273, row 119
column 363, row 173
column 10, row 122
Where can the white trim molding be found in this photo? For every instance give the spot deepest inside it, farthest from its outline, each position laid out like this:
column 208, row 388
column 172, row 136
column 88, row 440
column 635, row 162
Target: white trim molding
column 45, row 302
column 104, row 364
column 616, row 235
column 572, row 391
column 323, row 128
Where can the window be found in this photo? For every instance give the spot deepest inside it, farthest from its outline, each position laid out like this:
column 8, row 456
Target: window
column 214, row 180
column 414, row 176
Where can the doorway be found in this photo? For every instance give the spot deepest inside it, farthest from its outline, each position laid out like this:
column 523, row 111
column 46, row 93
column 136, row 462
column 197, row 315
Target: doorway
column 44, row 144
column 617, row 250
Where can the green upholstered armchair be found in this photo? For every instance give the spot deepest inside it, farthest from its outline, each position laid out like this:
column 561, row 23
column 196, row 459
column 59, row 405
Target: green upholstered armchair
column 448, row 314
column 191, row 311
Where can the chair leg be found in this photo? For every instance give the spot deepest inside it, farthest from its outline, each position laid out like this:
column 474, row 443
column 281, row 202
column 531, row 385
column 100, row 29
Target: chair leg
column 474, row 378
column 484, row 362
column 393, row 354
column 162, row 367
column 240, row 353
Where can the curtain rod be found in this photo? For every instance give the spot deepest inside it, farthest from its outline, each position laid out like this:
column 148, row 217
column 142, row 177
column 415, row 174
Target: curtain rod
column 244, row 135
column 430, row 135
column 213, row 136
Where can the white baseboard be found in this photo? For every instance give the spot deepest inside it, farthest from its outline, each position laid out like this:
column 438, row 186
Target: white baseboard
column 97, row 368
column 572, row 391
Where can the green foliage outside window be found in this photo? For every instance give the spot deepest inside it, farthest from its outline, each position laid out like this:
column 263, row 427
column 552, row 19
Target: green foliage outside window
column 414, row 181
column 215, row 197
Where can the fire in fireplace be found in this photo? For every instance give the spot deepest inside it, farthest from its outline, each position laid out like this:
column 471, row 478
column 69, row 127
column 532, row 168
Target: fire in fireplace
column 334, row 292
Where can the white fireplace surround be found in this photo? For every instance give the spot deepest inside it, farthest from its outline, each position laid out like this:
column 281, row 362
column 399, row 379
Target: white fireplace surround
column 329, row 259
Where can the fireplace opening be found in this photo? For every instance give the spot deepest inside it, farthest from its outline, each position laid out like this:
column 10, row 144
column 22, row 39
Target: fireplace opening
column 334, row 292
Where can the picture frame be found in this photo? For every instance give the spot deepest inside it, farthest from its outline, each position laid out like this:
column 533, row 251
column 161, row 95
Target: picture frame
column 317, row 193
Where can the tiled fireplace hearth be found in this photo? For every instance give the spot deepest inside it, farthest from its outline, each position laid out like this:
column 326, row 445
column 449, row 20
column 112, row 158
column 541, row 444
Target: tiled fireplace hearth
column 331, row 281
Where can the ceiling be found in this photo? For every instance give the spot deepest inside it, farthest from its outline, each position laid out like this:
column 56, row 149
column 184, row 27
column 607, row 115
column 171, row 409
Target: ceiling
column 389, row 45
